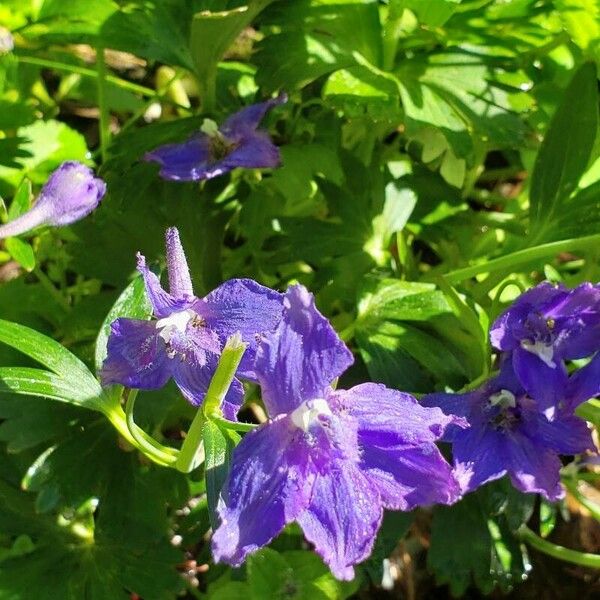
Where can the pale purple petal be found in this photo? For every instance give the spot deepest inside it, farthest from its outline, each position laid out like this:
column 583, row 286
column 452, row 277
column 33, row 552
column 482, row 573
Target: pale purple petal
column 268, row 486
column 244, row 306
column 479, row 457
column 249, row 117
column 136, row 356
column 342, row 518
column 180, row 283
column 187, row 161
column 301, row 358
column 545, row 384
column 71, row 193
column 163, row 304
column 533, row 468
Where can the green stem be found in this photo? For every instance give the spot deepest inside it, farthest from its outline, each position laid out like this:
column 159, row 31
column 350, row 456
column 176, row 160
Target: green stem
column 510, row 261
column 592, row 507
column 51, row 289
column 225, row 424
column 148, row 446
column 84, row 71
column 208, row 92
column 191, row 453
column 102, row 105
column 585, row 559
column 590, row 411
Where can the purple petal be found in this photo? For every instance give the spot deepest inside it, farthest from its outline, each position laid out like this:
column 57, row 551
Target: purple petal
column 534, row 468
column 180, row 283
column 196, row 355
column 479, row 457
column 342, row 518
column 163, row 304
column 565, row 434
column 254, row 151
column 71, row 193
column 502, row 331
column 188, row 161
column 409, row 477
column 136, row 356
column 301, row 358
column 268, row 486
column 584, row 299
column 249, row 118
column 245, row 306
column 545, row 384
column 584, row 384
column 393, row 416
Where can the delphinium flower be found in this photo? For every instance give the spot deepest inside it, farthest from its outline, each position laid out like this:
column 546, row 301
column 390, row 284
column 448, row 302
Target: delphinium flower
column 185, row 339
column 329, row 460
column 71, row 193
column 544, row 327
column 509, row 433
column 217, row 150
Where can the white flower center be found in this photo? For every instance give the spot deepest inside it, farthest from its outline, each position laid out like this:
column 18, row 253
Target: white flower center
column 543, row 351
column 309, row 412
column 210, row 128
column 503, row 399
column 174, row 323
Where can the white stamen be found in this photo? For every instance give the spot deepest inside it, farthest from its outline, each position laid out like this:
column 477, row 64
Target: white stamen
column 504, row 399
column 543, row 351
column 177, row 322
column 210, row 128
column 309, row 412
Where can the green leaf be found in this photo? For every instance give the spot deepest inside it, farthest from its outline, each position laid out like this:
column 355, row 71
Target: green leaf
column 132, row 303
column 409, row 337
column 213, row 33
column 22, row 252
column 51, row 354
column 582, row 21
column 218, row 446
column 316, row 38
column 461, row 546
column 431, row 12
column 37, row 382
column 565, row 152
column 49, row 143
column 21, row 201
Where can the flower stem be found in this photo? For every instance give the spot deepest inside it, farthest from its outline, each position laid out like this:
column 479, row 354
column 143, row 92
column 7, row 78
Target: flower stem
column 147, row 445
column 192, row 453
column 510, row 261
column 102, row 105
column 225, row 424
column 585, row 559
column 572, row 485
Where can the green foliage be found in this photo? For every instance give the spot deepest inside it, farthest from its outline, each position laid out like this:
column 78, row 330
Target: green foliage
column 430, row 151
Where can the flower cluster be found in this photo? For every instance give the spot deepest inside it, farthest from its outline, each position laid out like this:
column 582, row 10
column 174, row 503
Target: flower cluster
column 331, row 460
column 521, row 420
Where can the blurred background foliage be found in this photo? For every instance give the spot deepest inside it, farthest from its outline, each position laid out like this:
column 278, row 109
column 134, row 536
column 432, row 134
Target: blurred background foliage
column 426, row 144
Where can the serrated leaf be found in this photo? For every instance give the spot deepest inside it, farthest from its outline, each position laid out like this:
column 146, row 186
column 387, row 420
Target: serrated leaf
column 565, row 152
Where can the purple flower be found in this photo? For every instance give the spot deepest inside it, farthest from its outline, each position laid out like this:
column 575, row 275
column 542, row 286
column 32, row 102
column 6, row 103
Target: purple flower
column 544, row 327
column 71, row 193
column 186, row 339
column 329, row 460
column 510, row 434
column 214, row 151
